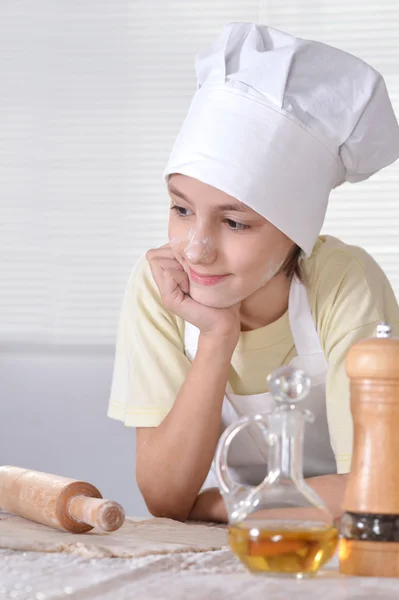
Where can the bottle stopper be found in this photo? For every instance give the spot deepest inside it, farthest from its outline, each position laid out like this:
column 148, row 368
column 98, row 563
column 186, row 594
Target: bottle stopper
column 289, row 385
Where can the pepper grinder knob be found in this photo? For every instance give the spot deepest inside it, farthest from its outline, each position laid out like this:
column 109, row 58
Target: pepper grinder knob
column 384, row 330
column 289, row 385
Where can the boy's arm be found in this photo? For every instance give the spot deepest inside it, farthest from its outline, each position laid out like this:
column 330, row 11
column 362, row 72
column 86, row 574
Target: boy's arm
column 209, row 505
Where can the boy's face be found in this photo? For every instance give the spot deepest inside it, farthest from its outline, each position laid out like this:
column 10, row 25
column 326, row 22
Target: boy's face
column 213, row 234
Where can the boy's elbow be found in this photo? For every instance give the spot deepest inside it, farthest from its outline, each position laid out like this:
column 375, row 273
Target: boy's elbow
column 164, row 502
column 165, row 507
column 168, row 512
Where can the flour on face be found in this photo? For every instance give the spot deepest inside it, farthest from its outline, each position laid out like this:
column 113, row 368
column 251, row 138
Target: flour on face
column 196, row 248
column 272, row 269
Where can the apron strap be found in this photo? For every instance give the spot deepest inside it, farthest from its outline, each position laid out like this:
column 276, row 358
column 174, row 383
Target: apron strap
column 191, row 336
column 301, row 321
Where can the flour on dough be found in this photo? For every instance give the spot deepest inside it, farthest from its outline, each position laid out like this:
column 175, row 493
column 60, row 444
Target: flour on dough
column 134, row 539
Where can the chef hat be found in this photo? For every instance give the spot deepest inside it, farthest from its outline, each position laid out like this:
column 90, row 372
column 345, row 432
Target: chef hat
column 277, row 122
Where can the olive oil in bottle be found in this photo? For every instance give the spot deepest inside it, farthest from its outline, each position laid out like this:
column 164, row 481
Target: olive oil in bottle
column 267, row 546
column 279, row 526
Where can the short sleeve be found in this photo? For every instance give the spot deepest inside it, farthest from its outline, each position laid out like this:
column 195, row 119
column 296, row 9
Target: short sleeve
column 353, row 296
column 150, row 365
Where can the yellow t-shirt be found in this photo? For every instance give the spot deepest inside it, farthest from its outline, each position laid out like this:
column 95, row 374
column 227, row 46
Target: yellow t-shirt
column 348, row 293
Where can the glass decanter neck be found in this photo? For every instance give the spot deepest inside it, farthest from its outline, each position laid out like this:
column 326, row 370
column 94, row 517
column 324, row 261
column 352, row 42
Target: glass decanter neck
column 285, row 458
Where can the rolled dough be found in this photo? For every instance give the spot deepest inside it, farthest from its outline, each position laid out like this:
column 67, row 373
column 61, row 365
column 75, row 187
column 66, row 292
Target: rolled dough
column 134, row 539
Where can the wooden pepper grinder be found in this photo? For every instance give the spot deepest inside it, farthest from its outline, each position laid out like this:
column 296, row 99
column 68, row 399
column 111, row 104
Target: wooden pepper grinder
column 370, row 523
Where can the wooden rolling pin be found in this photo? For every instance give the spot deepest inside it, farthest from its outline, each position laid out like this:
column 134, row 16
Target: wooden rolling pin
column 59, row 502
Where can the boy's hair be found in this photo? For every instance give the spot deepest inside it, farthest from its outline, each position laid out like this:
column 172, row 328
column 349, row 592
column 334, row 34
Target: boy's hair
column 291, row 265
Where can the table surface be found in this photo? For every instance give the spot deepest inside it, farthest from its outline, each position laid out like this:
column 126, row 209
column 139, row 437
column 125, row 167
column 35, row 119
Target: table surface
column 186, row 575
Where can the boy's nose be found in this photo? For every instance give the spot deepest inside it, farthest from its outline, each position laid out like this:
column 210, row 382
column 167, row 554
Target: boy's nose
column 200, row 248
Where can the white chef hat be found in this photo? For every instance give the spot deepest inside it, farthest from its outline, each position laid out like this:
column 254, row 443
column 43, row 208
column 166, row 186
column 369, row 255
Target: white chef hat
column 277, row 122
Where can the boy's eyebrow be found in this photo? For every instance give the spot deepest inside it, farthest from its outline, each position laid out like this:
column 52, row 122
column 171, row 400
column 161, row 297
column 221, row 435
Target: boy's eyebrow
column 237, row 207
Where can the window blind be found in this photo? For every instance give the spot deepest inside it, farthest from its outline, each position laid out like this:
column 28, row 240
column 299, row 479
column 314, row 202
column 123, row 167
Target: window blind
column 93, row 95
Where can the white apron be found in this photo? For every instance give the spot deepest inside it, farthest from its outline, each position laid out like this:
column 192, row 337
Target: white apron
column 248, row 453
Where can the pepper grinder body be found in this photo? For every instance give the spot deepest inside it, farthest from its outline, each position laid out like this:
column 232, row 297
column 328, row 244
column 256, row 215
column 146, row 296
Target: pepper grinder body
column 370, row 523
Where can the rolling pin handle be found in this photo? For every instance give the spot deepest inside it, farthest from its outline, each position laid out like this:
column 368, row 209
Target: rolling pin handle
column 105, row 515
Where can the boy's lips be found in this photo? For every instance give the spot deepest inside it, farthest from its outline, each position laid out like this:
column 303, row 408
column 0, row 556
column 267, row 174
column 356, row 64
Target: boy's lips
column 205, row 279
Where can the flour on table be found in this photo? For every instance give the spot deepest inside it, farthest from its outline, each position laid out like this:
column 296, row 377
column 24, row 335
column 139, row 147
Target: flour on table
column 134, row 539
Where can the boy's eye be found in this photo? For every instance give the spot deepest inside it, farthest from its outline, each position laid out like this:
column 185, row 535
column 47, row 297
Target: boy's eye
column 236, row 226
column 233, row 225
column 180, row 210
